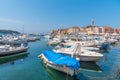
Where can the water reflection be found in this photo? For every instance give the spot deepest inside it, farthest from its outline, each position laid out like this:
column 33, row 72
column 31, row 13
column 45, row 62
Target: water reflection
column 92, row 66
column 12, row 58
column 104, row 51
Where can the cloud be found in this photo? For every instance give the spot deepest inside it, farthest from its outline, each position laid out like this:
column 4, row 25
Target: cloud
column 6, row 20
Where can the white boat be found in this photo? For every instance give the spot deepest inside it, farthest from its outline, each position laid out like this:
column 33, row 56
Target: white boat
column 86, row 48
column 60, row 62
column 91, row 48
column 80, row 53
column 8, row 50
column 54, row 41
column 111, row 41
column 4, row 46
column 85, row 43
column 32, row 39
column 47, row 36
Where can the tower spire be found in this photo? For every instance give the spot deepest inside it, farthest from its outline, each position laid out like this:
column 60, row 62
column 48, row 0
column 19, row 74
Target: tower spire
column 92, row 22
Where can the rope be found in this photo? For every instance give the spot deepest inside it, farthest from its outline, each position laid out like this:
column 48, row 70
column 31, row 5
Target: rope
column 67, row 78
column 66, row 69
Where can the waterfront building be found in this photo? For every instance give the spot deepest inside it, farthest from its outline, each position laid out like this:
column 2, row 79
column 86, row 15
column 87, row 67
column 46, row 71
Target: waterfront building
column 73, row 30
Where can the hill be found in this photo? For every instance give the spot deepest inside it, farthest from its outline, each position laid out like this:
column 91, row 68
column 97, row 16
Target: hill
column 9, row 32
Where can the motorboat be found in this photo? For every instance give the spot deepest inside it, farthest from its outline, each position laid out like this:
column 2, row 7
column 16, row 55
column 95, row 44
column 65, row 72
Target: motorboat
column 10, row 50
column 80, row 53
column 60, row 62
column 54, row 41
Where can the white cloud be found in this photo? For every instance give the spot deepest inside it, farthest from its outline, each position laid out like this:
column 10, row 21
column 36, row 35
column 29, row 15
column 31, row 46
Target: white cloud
column 13, row 21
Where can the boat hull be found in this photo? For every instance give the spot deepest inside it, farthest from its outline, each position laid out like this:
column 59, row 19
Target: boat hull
column 11, row 52
column 88, row 58
column 62, row 69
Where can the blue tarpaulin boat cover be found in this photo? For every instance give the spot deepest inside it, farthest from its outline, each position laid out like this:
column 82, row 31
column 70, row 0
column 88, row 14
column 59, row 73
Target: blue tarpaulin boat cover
column 61, row 59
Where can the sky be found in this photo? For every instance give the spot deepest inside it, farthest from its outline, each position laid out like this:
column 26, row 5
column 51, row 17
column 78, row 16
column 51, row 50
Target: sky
column 41, row 16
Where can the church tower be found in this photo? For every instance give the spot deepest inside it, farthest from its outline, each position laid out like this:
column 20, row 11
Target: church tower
column 92, row 25
column 92, row 22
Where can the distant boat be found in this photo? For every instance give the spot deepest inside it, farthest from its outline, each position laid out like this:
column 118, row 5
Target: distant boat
column 54, row 41
column 32, row 39
column 60, row 62
column 47, row 36
column 6, row 51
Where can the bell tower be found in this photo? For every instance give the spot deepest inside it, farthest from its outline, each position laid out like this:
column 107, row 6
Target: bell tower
column 92, row 25
column 92, row 22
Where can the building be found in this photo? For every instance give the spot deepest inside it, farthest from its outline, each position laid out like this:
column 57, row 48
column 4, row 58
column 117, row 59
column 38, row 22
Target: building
column 117, row 30
column 90, row 30
column 108, row 29
column 73, row 30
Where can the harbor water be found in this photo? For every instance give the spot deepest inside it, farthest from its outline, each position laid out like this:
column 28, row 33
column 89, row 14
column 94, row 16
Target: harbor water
column 27, row 66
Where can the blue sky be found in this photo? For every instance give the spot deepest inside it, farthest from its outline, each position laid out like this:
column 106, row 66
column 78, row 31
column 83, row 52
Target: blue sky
column 41, row 16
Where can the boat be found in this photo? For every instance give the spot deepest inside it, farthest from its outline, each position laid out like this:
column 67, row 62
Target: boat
column 91, row 48
column 84, row 43
column 112, row 41
column 86, row 48
column 60, row 62
column 32, row 39
column 17, row 42
column 4, row 47
column 98, row 43
column 54, row 41
column 57, row 75
column 47, row 36
column 80, row 53
column 6, row 51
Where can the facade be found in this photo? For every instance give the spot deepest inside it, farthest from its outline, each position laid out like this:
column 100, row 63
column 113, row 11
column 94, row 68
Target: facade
column 101, row 30
column 82, row 30
column 90, row 30
column 96, row 30
column 117, row 30
column 73, row 30
column 108, row 29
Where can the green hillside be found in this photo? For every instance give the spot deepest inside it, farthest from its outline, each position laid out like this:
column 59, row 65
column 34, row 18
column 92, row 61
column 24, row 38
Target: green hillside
column 9, row 32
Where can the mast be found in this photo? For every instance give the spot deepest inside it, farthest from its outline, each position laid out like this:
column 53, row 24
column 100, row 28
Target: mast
column 23, row 29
